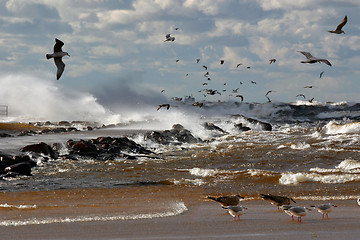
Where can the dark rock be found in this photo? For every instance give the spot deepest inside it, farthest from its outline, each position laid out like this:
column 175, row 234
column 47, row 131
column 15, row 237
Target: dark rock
column 22, row 168
column 59, row 130
column 264, row 126
column 3, row 135
column 213, row 127
column 39, row 148
column 64, row 123
column 242, row 128
column 177, row 135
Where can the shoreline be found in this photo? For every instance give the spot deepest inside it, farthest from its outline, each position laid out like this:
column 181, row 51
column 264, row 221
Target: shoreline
column 207, row 220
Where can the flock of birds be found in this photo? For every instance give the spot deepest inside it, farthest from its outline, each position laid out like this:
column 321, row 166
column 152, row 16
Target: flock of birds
column 310, row 59
column 231, row 204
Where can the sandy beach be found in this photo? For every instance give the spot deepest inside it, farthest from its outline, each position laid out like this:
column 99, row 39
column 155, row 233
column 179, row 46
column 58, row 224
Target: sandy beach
column 207, row 220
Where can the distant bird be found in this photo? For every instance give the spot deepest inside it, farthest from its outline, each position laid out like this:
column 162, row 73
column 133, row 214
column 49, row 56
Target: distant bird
column 311, row 100
column 241, row 97
column 270, row 91
column 57, row 55
column 205, row 67
column 358, row 201
column 273, row 60
column 321, row 74
column 163, row 105
column 235, row 211
column 235, row 90
column 297, row 212
column 277, row 200
column 308, row 86
column 324, row 209
column 176, row 28
column 168, row 38
column 176, row 99
column 163, row 90
column 338, row 29
column 248, row 67
column 227, row 200
column 205, row 84
column 198, row 104
column 301, row 95
column 253, row 82
column 198, row 60
column 312, row 59
column 239, row 64
column 187, row 75
column 269, row 100
column 177, row 60
column 240, row 83
column 222, row 61
column 206, row 74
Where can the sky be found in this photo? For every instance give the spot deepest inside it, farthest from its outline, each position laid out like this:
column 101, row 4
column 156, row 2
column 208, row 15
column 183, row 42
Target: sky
column 119, row 57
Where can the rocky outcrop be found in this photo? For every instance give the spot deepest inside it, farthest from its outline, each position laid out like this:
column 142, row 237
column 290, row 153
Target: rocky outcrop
column 263, row 125
column 177, row 135
column 40, row 148
column 12, row 166
column 213, row 127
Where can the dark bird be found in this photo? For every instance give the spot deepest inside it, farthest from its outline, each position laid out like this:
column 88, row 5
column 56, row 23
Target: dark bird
column 163, row 105
column 205, row 67
column 273, row 60
column 205, row 84
column 222, row 61
column 235, row 90
column 206, row 74
column 321, row 74
column 227, row 200
column 240, row 83
column 268, row 99
column 253, row 82
column 238, row 65
column 270, row 91
column 311, row 100
column 338, row 29
column 311, row 59
column 301, row 95
column 168, row 38
column 176, row 28
column 163, row 90
column 198, row 104
column 309, row 86
column 198, row 60
column 248, row 67
column 277, row 200
column 57, row 55
column 240, row 96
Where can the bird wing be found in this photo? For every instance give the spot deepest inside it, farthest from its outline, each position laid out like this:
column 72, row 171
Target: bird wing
column 325, row 61
column 60, row 67
column 344, row 21
column 167, row 36
column 58, row 45
column 307, row 54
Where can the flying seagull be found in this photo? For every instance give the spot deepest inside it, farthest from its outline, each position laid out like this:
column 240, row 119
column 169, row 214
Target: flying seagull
column 321, row 74
column 197, row 60
column 311, row 59
column 205, row 67
column 240, row 96
column 301, row 95
column 238, row 65
column 57, row 55
column 227, row 200
column 338, row 29
column 168, row 38
column 273, row 60
column 222, row 61
column 163, row 105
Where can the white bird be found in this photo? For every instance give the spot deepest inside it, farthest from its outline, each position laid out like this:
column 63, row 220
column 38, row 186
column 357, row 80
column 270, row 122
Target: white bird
column 312, row 59
column 168, row 38
column 235, row 211
column 338, row 29
column 324, row 209
column 358, row 201
column 296, row 211
column 57, row 55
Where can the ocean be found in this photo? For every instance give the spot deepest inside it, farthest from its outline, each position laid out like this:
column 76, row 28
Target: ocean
column 311, row 153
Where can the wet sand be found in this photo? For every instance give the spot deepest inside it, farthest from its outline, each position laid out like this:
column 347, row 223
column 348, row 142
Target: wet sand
column 207, row 220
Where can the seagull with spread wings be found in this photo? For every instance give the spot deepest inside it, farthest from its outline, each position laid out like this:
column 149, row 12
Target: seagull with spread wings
column 338, row 29
column 311, row 59
column 57, row 55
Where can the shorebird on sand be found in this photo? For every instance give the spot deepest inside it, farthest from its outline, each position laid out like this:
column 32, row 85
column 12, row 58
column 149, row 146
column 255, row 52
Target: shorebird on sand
column 235, row 211
column 311, row 59
column 277, row 200
column 338, row 29
column 57, row 55
column 227, row 200
column 324, row 209
column 296, row 211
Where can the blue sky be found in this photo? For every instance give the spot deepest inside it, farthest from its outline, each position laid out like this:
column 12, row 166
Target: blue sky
column 118, row 53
